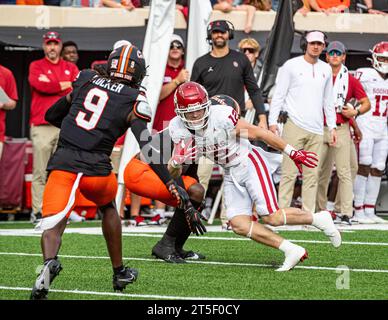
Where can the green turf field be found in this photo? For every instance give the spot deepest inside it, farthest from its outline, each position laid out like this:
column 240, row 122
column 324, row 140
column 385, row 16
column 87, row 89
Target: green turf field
column 235, row 268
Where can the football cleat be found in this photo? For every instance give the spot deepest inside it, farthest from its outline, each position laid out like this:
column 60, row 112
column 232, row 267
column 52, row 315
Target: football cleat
column 166, row 253
column 50, row 270
column 125, row 277
column 361, row 218
column 191, row 255
column 157, row 221
column 298, row 254
column 323, row 221
column 375, row 219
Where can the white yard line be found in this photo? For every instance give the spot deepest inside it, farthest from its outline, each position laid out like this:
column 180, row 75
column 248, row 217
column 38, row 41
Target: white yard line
column 98, row 231
column 197, row 262
column 117, row 294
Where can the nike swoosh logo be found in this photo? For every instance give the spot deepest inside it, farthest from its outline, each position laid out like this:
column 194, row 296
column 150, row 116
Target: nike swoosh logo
column 156, row 150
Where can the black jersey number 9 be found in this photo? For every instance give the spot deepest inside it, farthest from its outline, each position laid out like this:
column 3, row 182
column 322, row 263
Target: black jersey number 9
column 96, row 108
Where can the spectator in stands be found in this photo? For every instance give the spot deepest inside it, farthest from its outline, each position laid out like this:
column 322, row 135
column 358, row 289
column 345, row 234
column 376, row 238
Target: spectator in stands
column 183, row 6
column 7, row 87
column 380, row 5
column 261, row 5
column 30, row 2
column 228, row 5
column 50, row 78
column 174, row 75
column 345, row 88
column 80, row 3
column 125, row 4
column 304, row 89
column 70, row 52
column 326, row 6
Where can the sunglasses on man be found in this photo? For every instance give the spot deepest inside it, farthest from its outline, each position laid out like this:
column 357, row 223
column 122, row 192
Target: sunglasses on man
column 176, row 45
column 333, row 53
column 250, row 50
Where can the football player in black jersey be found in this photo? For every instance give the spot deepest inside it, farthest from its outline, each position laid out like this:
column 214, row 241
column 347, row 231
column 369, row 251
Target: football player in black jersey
column 98, row 111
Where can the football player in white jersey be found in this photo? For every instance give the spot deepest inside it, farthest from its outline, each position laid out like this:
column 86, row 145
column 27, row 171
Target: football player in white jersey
column 373, row 148
column 218, row 134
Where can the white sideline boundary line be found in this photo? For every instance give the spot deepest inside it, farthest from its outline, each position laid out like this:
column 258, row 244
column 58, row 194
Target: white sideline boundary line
column 117, row 294
column 200, row 262
column 98, row 231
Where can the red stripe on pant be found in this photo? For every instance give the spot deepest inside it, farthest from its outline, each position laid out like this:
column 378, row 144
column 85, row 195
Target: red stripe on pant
column 268, row 202
column 268, row 178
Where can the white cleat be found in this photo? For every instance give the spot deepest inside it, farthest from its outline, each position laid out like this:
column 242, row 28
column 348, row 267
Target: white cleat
column 375, row 219
column 361, row 218
column 298, row 254
column 324, row 221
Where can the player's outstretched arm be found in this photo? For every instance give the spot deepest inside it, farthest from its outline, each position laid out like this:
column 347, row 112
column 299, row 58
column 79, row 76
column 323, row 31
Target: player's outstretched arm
column 58, row 111
column 246, row 130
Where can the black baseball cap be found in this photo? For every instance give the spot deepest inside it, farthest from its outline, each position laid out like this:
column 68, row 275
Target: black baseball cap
column 219, row 25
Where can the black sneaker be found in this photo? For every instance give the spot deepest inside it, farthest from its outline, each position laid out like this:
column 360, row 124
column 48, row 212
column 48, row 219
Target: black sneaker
column 50, row 270
column 167, row 254
column 345, row 220
column 125, row 277
column 191, row 255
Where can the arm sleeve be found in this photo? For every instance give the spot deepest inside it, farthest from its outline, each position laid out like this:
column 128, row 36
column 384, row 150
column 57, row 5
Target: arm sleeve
column 279, row 97
column 253, row 89
column 328, row 103
column 57, row 112
column 143, row 137
column 41, row 86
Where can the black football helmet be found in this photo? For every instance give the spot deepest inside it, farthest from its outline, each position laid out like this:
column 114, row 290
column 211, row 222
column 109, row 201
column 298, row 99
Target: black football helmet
column 226, row 100
column 127, row 64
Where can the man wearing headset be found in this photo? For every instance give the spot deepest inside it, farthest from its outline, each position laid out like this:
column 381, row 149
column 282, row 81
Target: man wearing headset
column 226, row 71
column 304, row 89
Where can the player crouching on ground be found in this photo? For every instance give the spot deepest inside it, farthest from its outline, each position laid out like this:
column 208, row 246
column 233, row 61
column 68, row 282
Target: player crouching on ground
column 217, row 132
column 99, row 110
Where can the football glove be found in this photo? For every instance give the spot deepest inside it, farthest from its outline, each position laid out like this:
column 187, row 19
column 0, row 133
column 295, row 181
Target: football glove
column 193, row 219
column 183, row 151
column 309, row 159
column 178, row 193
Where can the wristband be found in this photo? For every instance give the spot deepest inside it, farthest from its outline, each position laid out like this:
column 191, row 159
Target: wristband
column 288, row 149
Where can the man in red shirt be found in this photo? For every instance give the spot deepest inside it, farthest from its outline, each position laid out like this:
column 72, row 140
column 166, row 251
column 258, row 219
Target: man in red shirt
column 50, row 79
column 8, row 85
column 345, row 87
column 174, row 75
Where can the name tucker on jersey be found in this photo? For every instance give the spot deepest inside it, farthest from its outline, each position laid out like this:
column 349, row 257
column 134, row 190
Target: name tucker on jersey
column 107, row 84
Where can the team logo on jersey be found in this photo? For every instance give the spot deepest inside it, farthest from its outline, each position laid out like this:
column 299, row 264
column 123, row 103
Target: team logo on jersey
column 235, row 63
column 114, row 63
column 67, row 72
column 49, row 72
column 210, row 69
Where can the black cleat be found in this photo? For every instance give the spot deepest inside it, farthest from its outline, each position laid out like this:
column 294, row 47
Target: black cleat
column 191, row 255
column 345, row 220
column 166, row 253
column 50, row 270
column 125, row 277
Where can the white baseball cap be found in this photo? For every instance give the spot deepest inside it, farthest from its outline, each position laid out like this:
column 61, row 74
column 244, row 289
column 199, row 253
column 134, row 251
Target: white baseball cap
column 121, row 43
column 315, row 36
column 178, row 38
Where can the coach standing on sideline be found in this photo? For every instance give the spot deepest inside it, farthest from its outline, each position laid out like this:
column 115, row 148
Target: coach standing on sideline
column 226, row 71
column 304, row 89
column 50, row 79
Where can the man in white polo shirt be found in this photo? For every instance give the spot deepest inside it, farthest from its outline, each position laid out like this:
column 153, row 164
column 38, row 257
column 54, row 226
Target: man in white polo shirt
column 304, row 90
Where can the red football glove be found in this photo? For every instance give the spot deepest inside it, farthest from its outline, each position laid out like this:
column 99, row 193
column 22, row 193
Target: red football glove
column 183, row 151
column 309, row 159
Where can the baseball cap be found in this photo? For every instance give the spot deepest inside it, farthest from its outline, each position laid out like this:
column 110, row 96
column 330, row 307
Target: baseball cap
column 315, row 36
column 219, row 25
column 121, row 43
column 336, row 45
column 51, row 36
column 177, row 38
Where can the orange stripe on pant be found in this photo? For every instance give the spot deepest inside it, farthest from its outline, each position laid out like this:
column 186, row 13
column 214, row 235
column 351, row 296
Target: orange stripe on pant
column 100, row 190
column 140, row 179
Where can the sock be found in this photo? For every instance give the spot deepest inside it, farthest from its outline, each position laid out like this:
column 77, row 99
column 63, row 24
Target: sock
column 177, row 223
column 330, row 206
column 287, row 246
column 371, row 194
column 359, row 188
